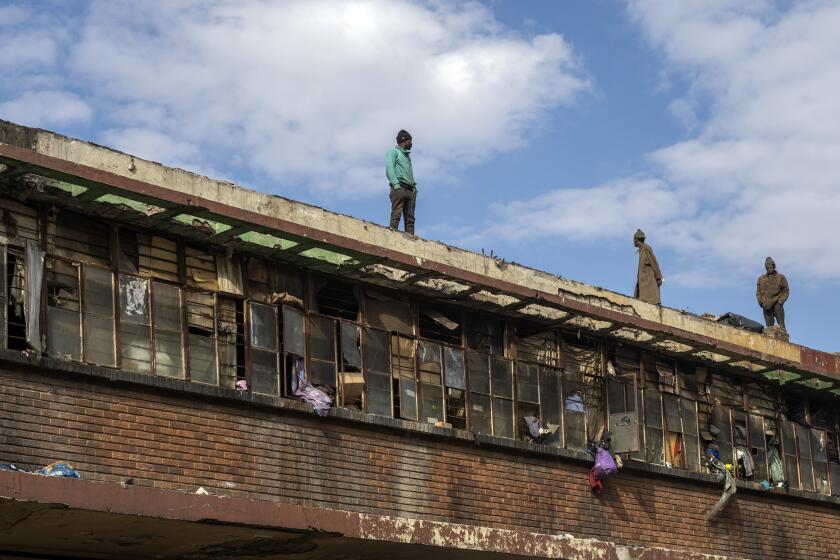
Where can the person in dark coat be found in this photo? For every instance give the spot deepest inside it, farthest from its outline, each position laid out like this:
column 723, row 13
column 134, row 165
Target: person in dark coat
column 772, row 292
column 648, row 277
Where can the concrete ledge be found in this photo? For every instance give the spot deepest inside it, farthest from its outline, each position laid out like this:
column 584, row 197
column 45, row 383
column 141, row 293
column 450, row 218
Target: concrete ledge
column 54, row 366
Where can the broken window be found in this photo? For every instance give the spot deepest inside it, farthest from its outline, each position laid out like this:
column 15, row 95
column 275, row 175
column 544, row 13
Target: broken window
column 478, row 379
column 674, row 451
column 262, row 338
column 583, row 360
column 743, row 454
column 722, row 420
column 666, row 376
column 388, row 313
column 440, row 323
column 256, row 277
column 550, row 409
column 377, row 357
column 294, row 345
column 231, row 338
column 135, row 324
column 758, row 447
column 622, row 388
column 430, row 369
column 803, row 447
column 574, row 410
column 486, row 334
column 157, row 257
column 99, row 345
column 64, row 331
column 727, row 390
column 322, row 362
column 691, row 440
column 168, row 330
column 337, row 299
column 455, row 381
column 687, row 380
column 527, row 396
column 405, row 381
column 285, row 284
column 200, row 312
column 351, row 380
column 654, row 435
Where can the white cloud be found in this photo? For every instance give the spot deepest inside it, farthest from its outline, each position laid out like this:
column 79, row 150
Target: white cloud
column 46, row 108
column 760, row 174
column 315, row 90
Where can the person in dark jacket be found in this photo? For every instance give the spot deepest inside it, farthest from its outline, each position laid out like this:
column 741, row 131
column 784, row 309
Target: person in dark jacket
column 772, row 292
column 648, row 276
column 401, row 179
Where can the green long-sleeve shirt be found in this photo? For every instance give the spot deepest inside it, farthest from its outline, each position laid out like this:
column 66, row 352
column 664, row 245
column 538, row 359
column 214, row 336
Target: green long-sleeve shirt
column 398, row 168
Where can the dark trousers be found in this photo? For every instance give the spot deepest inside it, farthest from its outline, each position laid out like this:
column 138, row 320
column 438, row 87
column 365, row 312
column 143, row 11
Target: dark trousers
column 776, row 312
column 402, row 203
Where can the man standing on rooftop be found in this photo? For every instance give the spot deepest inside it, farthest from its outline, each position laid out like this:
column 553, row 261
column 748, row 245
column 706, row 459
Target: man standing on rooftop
column 648, row 276
column 772, row 292
column 401, row 179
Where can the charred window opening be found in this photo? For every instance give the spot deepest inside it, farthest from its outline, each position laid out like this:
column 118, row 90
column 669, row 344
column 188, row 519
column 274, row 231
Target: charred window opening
column 536, row 345
column 722, row 421
column 440, row 323
column 404, row 378
column 15, row 284
column 201, row 333
column 262, row 327
column 675, row 455
column 389, row 312
column 231, row 329
column 351, row 379
column 99, row 344
column 338, row 299
column 486, row 334
column 584, row 368
column 758, row 447
column 322, row 351
column 377, row 359
column 430, row 370
column 691, row 439
column 574, row 410
column 478, row 376
column 654, row 436
column 550, row 404
column 64, row 331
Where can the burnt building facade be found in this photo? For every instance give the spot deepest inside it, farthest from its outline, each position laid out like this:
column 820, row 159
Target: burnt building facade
column 155, row 325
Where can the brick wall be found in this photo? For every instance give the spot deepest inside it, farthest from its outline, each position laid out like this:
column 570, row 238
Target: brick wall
column 112, row 431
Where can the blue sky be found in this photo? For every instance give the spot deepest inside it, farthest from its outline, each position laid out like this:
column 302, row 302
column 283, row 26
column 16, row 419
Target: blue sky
column 546, row 131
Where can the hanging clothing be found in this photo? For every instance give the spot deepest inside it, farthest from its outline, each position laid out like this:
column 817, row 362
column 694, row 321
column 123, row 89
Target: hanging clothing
column 777, row 471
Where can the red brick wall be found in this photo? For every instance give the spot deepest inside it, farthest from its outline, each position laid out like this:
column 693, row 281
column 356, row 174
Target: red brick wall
column 112, row 431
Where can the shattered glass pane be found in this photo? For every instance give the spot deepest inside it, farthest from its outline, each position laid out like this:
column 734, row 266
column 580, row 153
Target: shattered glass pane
column 479, row 414
column 293, row 340
column 134, row 299
column 378, row 393
column 64, row 337
column 818, row 446
column 501, row 372
column 167, row 306
column 428, row 353
column 654, row 446
column 136, row 347
column 821, row 478
column 378, row 351
column 350, row 352
column 99, row 291
column 263, row 372
column 263, row 326
column 478, row 372
column 99, row 340
column 431, row 403
column 169, row 360
column 202, row 359
column 453, row 367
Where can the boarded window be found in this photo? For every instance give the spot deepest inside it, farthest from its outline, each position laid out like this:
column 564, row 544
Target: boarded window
column 231, row 338
column 157, row 257
column 388, row 313
column 78, row 238
column 200, row 313
column 201, row 269
column 229, row 270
